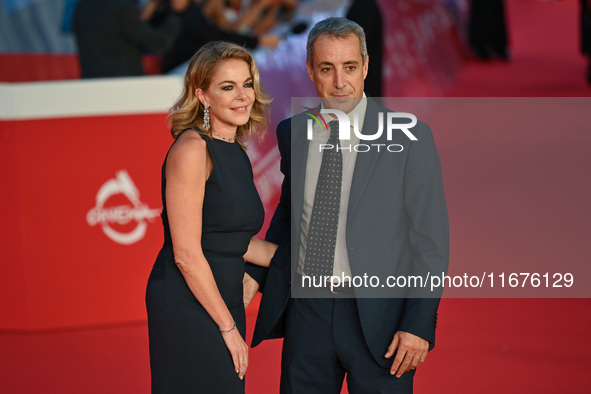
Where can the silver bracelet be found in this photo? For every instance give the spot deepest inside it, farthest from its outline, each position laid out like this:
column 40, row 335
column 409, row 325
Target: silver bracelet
column 230, row 330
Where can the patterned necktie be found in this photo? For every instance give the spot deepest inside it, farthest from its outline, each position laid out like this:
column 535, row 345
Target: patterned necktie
column 322, row 232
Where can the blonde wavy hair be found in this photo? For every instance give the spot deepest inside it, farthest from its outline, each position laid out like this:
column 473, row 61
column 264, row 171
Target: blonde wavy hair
column 187, row 112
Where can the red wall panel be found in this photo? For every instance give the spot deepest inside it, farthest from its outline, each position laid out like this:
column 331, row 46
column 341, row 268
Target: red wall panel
column 60, row 270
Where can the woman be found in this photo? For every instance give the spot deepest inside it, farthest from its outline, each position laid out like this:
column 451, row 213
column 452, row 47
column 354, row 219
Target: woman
column 211, row 211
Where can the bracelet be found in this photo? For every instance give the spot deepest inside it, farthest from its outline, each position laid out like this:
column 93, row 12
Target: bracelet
column 230, row 330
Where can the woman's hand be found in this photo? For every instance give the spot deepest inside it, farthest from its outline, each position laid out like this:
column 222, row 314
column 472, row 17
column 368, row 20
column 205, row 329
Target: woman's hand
column 238, row 349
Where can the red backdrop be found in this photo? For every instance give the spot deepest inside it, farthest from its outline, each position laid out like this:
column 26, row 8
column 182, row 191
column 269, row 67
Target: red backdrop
column 61, row 271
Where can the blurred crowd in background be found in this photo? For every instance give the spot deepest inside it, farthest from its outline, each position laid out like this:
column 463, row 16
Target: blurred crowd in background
column 112, row 36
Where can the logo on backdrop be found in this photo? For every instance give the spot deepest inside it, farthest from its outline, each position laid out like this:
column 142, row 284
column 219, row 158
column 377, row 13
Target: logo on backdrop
column 345, row 130
column 117, row 221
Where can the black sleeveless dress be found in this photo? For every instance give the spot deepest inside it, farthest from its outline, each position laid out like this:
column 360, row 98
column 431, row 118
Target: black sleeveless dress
column 187, row 351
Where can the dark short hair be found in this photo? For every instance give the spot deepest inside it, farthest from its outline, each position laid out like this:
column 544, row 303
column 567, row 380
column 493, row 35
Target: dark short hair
column 339, row 28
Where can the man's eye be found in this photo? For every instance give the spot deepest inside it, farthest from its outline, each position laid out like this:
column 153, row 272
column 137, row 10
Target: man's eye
column 229, row 87
column 351, row 68
column 325, row 69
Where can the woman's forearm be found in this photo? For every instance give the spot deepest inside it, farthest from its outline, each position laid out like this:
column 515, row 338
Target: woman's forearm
column 199, row 278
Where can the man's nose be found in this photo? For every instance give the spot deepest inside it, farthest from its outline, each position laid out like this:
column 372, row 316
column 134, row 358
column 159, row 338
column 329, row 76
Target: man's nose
column 339, row 80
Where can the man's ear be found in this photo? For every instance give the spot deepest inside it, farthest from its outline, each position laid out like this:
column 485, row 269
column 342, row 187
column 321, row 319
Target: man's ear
column 310, row 73
column 365, row 67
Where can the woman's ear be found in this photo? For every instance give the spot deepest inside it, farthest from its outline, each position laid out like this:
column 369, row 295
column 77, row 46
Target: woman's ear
column 201, row 96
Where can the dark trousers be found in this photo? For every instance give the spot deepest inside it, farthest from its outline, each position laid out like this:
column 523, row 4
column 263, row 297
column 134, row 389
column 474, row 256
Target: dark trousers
column 488, row 30
column 585, row 28
column 323, row 344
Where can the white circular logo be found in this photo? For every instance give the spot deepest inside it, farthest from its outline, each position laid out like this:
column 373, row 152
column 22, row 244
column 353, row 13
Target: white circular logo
column 121, row 215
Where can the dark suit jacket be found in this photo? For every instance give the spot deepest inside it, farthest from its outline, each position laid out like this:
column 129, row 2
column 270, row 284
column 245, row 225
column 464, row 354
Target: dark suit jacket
column 396, row 225
column 112, row 38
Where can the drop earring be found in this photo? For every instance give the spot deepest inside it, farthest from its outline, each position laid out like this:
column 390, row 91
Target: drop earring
column 206, row 125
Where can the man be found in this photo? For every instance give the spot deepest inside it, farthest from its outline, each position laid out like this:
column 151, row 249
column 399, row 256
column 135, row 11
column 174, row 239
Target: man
column 392, row 220
column 112, row 37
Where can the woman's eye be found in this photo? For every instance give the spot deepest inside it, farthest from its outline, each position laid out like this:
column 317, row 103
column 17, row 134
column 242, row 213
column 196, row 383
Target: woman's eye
column 229, row 87
column 248, row 85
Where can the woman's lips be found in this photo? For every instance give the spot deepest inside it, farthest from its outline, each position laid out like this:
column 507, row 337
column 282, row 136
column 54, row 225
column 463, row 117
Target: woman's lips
column 240, row 110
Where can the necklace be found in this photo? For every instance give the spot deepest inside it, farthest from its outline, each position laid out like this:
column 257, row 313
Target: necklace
column 228, row 139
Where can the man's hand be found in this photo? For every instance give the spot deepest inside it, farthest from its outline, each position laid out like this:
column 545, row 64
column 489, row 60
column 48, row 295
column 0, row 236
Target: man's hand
column 410, row 350
column 250, row 289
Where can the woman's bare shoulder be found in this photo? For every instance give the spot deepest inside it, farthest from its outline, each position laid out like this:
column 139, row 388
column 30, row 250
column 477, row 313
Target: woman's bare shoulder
column 189, row 144
column 189, row 152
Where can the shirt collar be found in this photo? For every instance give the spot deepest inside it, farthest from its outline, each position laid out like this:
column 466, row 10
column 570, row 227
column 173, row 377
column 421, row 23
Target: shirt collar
column 359, row 109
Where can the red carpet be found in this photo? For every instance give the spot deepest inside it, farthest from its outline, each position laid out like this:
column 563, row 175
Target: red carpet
column 483, row 345
column 544, row 40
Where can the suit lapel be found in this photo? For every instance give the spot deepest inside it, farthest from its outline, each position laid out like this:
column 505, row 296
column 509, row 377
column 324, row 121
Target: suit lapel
column 299, row 157
column 365, row 161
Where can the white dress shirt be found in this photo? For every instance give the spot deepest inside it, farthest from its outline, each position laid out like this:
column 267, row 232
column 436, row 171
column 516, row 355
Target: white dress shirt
column 320, row 136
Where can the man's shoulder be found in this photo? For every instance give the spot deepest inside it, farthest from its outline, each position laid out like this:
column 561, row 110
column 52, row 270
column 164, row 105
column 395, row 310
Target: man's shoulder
column 420, row 129
column 295, row 118
column 285, row 125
